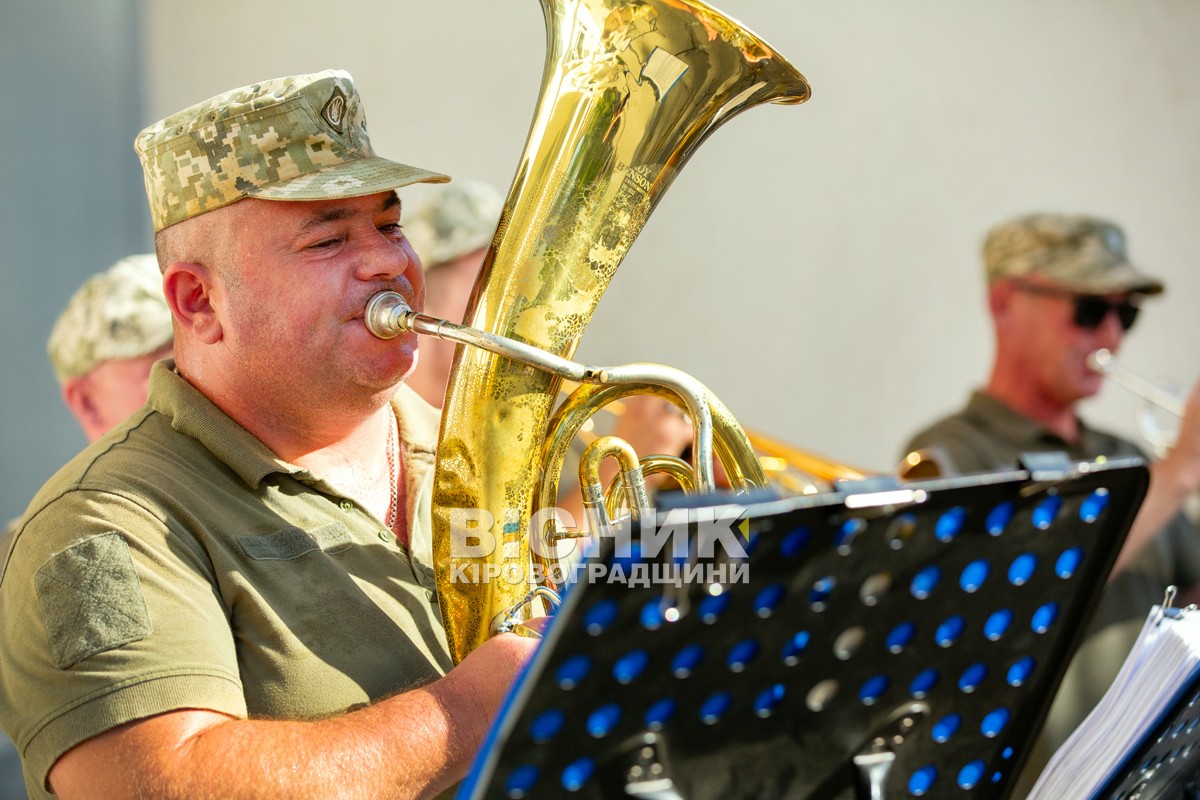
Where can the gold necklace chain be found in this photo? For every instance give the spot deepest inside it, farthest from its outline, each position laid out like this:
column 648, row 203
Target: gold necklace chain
column 393, row 447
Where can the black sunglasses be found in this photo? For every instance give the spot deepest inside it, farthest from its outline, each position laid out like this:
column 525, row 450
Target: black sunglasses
column 1090, row 309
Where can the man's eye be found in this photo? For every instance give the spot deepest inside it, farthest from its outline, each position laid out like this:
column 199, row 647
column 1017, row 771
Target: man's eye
column 324, row 243
column 392, row 229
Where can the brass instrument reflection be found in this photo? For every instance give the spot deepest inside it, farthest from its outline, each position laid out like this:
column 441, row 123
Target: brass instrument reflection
column 628, row 93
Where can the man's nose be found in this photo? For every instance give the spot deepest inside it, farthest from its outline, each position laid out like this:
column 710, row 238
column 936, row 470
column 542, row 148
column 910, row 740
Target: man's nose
column 1110, row 331
column 385, row 259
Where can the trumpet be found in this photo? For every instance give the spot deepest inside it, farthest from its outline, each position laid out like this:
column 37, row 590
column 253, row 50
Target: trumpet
column 1105, row 363
column 1159, row 437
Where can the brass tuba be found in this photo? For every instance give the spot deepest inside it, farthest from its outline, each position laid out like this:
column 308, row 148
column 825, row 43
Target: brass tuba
column 630, row 89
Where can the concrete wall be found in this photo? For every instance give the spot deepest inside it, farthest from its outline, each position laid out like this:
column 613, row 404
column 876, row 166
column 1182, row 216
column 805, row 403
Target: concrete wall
column 72, row 203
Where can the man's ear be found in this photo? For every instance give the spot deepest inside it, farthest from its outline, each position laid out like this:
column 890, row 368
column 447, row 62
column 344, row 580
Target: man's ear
column 1000, row 296
column 189, row 291
column 77, row 394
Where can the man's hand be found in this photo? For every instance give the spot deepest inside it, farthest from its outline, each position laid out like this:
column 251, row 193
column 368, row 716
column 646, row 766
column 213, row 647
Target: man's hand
column 653, row 426
column 1182, row 462
column 1172, row 479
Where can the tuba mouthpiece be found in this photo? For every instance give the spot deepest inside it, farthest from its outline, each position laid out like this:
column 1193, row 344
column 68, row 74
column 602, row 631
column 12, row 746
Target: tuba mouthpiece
column 387, row 315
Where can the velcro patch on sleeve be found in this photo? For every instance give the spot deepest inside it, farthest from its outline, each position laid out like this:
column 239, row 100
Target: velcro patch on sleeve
column 91, row 599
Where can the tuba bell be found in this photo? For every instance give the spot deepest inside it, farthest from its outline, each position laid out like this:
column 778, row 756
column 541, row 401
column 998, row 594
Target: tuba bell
column 629, row 90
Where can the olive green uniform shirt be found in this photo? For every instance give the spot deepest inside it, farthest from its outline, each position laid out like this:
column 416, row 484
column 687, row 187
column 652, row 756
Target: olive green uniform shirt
column 988, row 436
column 178, row 563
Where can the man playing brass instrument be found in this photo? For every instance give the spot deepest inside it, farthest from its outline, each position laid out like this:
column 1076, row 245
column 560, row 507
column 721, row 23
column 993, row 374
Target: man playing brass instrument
column 1060, row 288
column 230, row 594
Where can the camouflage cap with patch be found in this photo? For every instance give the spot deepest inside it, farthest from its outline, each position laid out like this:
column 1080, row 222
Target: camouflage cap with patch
column 454, row 221
column 118, row 313
column 302, row 137
column 1082, row 253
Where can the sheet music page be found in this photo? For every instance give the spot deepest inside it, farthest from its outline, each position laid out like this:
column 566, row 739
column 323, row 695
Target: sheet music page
column 662, row 70
column 1160, row 667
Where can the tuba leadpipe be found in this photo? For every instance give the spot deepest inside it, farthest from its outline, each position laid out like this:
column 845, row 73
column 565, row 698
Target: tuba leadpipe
column 388, row 315
column 1157, row 434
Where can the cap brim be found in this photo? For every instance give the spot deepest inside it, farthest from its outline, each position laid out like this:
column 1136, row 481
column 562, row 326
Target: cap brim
column 350, row 179
column 1122, row 278
column 1117, row 280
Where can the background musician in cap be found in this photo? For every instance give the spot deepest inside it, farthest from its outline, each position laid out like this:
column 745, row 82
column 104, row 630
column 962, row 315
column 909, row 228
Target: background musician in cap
column 450, row 232
column 1061, row 287
column 230, row 594
column 103, row 344
column 112, row 330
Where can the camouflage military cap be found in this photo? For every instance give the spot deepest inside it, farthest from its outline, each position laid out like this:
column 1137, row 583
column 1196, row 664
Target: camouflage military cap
column 454, row 221
column 118, row 313
column 1082, row 253
column 297, row 138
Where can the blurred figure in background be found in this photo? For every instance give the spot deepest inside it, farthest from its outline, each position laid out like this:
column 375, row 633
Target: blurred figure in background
column 113, row 329
column 1061, row 287
column 450, row 233
column 102, row 346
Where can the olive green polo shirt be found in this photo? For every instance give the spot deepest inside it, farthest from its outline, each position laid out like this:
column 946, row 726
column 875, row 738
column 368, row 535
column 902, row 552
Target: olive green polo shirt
column 988, row 436
column 178, row 563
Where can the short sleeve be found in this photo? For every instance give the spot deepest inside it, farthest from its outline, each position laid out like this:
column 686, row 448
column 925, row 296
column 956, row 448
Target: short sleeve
column 108, row 616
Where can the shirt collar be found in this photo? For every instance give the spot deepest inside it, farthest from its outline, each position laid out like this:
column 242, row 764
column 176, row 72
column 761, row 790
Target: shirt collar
column 193, row 414
column 1017, row 427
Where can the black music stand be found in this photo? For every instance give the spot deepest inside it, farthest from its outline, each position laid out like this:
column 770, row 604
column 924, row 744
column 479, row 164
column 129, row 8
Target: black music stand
column 888, row 641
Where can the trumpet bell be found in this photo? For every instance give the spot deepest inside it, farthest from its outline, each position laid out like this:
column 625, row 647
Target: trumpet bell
column 1163, row 410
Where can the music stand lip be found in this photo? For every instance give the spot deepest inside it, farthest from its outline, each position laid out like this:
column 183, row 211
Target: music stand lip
column 938, row 492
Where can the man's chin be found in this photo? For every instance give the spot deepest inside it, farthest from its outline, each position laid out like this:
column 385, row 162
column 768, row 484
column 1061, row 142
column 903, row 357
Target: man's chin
column 381, row 375
column 391, row 378
column 1090, row 386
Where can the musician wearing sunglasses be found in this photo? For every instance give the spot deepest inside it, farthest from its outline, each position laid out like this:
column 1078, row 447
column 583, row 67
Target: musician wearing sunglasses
column 1061, row 287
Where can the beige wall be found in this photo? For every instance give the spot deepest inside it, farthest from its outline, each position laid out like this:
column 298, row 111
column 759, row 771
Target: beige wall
column 820, row 262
